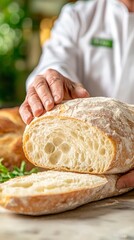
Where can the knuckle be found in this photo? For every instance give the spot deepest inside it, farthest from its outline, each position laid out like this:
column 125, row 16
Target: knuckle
column 45, row 97
column 50, row 71
column 35, row 105
column 52, row 76
column 31, row 95
column 23, row 109
column 39, row 81
column 38, row 76
column 53, row 79
column 22, row 106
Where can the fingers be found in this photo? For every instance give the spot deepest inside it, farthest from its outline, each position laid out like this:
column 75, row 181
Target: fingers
column 74, row 90
column 79, row 92
column 42, row 96
column 46, row 91
column 26, row 112
column 55, row 82
column 126, row 180
column 49, row 89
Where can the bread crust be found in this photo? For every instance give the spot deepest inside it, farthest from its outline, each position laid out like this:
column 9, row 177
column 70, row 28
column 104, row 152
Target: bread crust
column 113, row 118
column 11, row 132
column 60, row 202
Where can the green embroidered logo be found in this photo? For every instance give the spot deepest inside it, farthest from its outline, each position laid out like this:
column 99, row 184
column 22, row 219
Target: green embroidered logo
column 101, row 42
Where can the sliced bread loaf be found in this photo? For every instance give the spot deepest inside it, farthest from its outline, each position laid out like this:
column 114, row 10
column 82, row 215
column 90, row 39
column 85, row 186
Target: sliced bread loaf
column 52, row 192
column 92, row 135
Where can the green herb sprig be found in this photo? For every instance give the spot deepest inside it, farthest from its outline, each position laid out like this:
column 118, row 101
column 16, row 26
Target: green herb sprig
column 5, row 174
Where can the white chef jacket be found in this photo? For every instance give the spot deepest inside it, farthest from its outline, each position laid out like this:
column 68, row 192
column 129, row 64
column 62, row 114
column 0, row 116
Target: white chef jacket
column 92, row 42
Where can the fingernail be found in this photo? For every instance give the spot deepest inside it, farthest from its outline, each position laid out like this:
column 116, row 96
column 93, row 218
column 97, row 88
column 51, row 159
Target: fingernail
column 38, row 112
column 48, row 103
column 28, row 119
column 86, row 93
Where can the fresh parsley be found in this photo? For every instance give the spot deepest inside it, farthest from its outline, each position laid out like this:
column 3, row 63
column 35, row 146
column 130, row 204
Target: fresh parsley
column 5, row 174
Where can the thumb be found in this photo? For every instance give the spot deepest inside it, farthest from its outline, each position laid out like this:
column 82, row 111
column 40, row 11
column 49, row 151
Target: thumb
column 79, row 92
column 126, row 180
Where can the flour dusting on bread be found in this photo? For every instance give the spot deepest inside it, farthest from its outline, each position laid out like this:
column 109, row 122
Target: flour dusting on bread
column 53, row 192
column 92, row 135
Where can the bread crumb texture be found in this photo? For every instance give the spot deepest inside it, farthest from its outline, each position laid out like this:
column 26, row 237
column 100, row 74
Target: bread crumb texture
column 92, row 135
column 50, row 182
column 52, row 192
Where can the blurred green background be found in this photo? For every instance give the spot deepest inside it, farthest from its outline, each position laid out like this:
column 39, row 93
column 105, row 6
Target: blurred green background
column 24, row 26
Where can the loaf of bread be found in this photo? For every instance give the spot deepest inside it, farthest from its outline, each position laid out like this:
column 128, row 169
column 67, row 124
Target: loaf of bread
column 81, row 137
column 11, row 131
column 92, row 135
column 52, row 191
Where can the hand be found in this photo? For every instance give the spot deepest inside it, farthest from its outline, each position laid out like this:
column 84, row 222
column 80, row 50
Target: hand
column 46, row 91
column 125, row 181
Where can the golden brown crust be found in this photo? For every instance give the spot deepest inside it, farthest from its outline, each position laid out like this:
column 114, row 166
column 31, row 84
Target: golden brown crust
column 11, row 131
column 38, row 205
column 116, row 121
column 55, row 203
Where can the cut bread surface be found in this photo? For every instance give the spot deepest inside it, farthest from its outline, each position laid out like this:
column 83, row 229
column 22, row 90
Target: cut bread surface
column 50, row 182
column 92, row 135
column 53, row 192
column 69, row 144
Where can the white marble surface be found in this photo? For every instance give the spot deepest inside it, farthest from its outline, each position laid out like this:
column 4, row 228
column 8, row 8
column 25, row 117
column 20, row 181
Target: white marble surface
column 109, row 219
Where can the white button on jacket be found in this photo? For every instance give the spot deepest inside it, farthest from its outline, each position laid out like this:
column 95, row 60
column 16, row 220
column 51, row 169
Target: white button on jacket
column 92, row 42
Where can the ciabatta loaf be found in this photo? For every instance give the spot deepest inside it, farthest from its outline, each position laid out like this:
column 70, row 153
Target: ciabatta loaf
column 11, row 131
column 92, row 135
column 52, row 192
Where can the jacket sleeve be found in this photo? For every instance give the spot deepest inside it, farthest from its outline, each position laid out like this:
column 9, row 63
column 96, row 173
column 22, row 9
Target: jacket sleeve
column 60, row 51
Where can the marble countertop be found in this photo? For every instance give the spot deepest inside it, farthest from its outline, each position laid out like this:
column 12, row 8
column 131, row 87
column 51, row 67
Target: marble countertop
column 109, row 219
